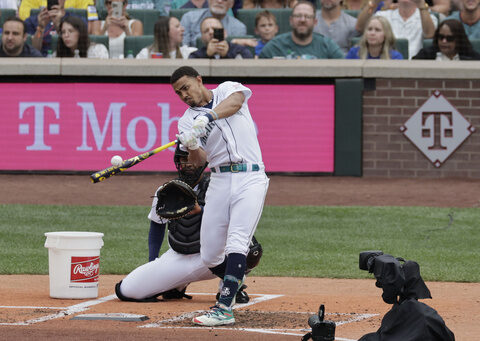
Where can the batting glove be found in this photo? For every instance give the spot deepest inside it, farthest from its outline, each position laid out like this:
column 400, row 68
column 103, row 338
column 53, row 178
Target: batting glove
column 188, row 139
column 199, row 125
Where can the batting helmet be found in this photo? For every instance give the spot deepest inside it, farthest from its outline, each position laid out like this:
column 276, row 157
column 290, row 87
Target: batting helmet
column 187, row 172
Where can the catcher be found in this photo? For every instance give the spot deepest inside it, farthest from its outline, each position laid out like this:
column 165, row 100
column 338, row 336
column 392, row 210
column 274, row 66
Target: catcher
column 178, row 206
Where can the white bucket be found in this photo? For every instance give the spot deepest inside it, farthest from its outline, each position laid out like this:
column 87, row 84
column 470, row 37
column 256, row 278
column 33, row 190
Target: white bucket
column 74, row 263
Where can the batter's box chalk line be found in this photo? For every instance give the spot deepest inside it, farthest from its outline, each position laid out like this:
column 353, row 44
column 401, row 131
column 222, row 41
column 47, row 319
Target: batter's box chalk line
column 65, row 311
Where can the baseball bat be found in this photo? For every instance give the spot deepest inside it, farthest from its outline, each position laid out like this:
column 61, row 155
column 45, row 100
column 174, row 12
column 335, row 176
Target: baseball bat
column 114, row 170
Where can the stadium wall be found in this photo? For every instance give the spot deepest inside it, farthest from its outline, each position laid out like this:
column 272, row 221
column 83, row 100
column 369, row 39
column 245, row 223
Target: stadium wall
column 391, row 92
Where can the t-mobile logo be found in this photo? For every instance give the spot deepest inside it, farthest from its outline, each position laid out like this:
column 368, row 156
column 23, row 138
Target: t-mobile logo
column 39, row 110
column 437, row 129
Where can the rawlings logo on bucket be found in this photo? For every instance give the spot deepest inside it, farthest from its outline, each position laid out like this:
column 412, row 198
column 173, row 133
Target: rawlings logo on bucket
column 85, row 269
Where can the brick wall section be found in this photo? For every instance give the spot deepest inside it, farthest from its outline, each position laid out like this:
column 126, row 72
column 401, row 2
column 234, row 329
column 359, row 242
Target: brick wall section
column 388, row 153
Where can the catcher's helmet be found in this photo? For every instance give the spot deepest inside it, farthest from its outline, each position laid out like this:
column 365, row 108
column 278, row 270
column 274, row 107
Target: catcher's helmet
column 186, row 171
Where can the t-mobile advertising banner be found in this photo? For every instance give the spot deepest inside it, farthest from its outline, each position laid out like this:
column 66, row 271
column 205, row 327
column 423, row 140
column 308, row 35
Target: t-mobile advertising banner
column 80, row 126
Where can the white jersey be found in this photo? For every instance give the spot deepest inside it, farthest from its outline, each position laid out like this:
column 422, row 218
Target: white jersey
column 228, row 140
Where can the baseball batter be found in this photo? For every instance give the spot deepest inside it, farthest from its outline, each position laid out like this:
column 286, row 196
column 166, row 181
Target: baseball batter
column 170, row 274
column 218, row 128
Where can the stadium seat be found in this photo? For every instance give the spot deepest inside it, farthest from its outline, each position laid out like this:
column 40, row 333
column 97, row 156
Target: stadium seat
column 247, row 16
column 427, row 43
column 6, row 13
column 401, row 45
column 476, row 44
column 79, row 12
column 99, row 39
column 147, row 16
column 179, row 12
column 136, row 43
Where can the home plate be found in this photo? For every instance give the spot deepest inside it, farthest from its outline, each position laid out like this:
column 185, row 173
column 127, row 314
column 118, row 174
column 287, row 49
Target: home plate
column 112, row 316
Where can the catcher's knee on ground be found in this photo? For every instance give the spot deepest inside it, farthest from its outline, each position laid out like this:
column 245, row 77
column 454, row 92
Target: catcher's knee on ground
column 126, row 296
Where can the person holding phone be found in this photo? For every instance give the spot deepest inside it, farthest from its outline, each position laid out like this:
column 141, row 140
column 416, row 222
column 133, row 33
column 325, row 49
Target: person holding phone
column 46, row 24
column 89, row 5
column 117, row 25
column 216, row 8
column 216, row 46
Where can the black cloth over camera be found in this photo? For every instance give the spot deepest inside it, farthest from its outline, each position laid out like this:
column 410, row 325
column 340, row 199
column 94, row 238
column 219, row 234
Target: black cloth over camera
column 402, row 285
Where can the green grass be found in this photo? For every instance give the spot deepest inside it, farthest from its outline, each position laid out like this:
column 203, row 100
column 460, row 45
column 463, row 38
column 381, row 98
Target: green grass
column 297, row 241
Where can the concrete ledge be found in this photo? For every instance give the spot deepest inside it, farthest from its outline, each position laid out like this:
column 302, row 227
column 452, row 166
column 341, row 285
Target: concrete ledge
column 127, row 67
column 29, row 66
column 328, row 68
column 324, row 68
column 426, row 69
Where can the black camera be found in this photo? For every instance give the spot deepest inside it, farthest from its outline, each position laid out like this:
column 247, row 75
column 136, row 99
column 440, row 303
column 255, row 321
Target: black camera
column 321, row 330
column 399, row 279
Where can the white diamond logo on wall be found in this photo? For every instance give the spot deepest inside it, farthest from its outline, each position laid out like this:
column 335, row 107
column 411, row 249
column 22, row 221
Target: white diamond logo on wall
column 437, row 129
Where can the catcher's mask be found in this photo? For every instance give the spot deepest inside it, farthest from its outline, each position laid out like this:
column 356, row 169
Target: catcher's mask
column 187, row 172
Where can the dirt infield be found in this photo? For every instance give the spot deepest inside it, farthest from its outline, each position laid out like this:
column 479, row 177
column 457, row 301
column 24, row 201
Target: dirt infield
column 279, row 308
column 284, row 190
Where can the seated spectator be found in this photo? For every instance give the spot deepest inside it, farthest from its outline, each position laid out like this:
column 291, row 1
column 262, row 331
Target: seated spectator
column 118, row 28
column 44, row 25
column 218, row 48
column 469, row 16
column 334, row 23
column 302, row 42
column 163, row 6
column 377, row 42
column 89, row 5
column 265, row 27
column 449, row 43
column 168, row 37
column 74, row 36
column 217, row 9
column 14, row 38
column 412, row 20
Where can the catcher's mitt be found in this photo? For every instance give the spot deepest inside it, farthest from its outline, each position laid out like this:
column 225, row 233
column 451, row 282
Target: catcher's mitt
column 175, row 200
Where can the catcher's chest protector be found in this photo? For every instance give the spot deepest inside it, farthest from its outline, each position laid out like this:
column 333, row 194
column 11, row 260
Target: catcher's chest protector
column 184, row 233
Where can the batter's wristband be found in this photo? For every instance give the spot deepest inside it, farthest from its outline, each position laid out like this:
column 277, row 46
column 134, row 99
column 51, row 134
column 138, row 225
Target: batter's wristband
column 209, row 116
column 214, row 113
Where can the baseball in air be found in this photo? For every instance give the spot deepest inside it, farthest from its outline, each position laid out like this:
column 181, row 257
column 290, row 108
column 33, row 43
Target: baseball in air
column 116, row 160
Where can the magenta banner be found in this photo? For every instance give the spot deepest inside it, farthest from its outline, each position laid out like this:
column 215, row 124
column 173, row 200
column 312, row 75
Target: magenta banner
column 80, row 126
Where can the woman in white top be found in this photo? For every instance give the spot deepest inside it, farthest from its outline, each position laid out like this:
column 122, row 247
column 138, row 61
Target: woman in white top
column 168, row 36
column 74, row 36
column 118, row 27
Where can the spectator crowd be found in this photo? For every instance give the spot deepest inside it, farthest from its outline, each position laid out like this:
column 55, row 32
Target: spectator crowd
column 278, row 29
